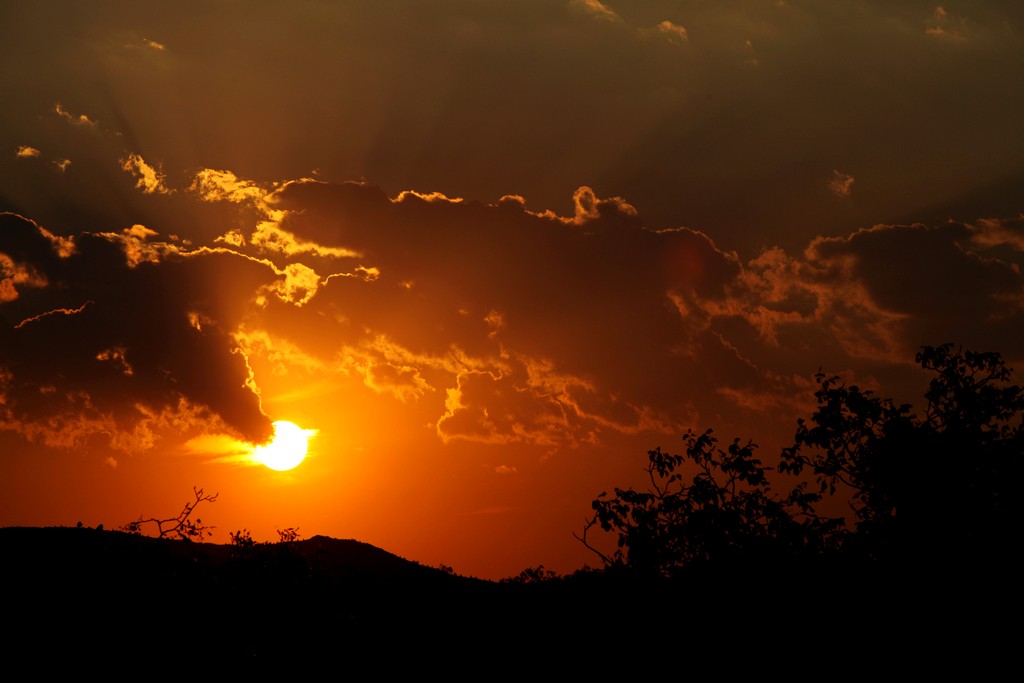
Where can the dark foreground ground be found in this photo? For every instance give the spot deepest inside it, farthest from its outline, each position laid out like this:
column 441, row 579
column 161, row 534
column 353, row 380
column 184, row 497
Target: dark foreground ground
column 90, row 597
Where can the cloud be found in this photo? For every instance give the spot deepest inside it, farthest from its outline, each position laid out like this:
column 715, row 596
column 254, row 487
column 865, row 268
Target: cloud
column 149, row 179
column 214, row 185
column 495, row 323
column 58, row 311
column 62, row 164
column 270, row 237
column 932, row 282
column 453, row 316
column 413, row 195
column 841, row 184
column 994, row 232
column 224, row 186
column 160, row 47
column 673, row 33
column 80, row 120
column 588, row 207
column 595, row 9
column 881, row 292
column 26, row 152
column 282, row 355
column 123, row 337
column 942, row 26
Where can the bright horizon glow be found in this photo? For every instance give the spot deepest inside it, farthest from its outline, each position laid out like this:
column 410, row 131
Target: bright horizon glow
column 287, row 449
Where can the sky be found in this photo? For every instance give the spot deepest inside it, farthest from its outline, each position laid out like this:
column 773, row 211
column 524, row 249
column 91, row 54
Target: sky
column 487, row 253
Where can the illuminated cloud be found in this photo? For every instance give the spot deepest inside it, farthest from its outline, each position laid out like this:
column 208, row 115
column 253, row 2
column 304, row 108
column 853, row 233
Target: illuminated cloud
column 673, row 33
column 214, row 185
column 62, row 164
column 154, row 44
column 993, row 232
column 26, row 152
column 596, row 9
column 298, row 286
column 485, row 315
column 282, row 355
column 483, row 408
column 944, row 27
column 148, row 178
column 224, row 186
column 841, row 184
column 80, row 120
column 587, row 207
column 522, row 339
column 469, row 336
column 750, row 61
column 412, row 195
column 137, row 246
column 57, row 311
column 16, row 276
column 882, row 292
column 270, row 237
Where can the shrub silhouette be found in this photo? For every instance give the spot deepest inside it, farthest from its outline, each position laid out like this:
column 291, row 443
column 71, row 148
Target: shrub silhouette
column 181, row 526
column 921, row 489
column 537, row 574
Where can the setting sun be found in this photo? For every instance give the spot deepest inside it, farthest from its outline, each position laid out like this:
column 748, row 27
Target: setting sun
column 287, row 449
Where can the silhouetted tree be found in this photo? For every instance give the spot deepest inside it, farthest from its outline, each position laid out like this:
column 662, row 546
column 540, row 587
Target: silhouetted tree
column 942, row 488
column 181, row 526
column 289, row 535
column 723, row 510
column 944, row 484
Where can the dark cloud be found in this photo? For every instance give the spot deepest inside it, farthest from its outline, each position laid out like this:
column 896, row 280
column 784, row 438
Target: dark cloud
column 97, row 339
column 512, row 322
column 491, row 309
column 867, row 302
column 936, row 281
column 509, row 325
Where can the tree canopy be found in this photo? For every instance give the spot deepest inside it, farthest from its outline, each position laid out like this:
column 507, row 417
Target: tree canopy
column 940, row 487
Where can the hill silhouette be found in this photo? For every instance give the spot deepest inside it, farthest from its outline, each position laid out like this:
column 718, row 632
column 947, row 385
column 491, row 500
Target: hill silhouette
column 82, row 587
column 98, row 598
column 106, row 595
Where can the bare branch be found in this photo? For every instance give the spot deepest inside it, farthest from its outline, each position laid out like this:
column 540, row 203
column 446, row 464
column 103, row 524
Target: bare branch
column 583, row 539
column 180, row 526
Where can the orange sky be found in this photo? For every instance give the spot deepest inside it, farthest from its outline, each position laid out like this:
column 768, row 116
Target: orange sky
column 491, row 252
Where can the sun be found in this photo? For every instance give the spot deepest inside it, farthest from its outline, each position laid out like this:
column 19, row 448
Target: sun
column 287, row 449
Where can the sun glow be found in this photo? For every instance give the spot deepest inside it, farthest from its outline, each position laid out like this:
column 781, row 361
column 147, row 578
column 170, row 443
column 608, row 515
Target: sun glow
column 287, row 449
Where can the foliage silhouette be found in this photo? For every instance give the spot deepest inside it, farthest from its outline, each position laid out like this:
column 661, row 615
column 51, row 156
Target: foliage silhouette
column 942, row 487
column 922, row 486
column 181, row 526
column 257, row 567
column 241, row 541
column 725, row 511
column 536, row 574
